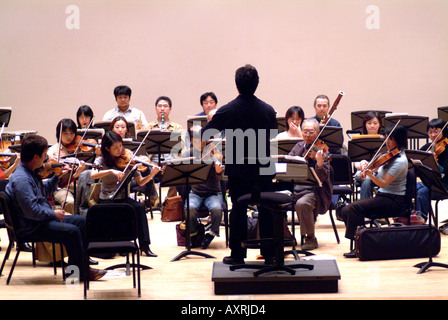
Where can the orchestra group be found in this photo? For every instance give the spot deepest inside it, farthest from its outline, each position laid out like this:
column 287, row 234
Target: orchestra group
column 51, row 188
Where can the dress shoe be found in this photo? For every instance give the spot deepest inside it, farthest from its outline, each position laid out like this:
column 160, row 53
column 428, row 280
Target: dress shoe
column 232, row 261
column 148, row 252
column 92, row 262
column 25, row 247
column 351, row 254
column 96, row 274
column 207, row 240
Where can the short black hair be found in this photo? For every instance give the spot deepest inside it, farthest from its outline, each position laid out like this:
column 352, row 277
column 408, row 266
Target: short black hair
column 321, row 96
column 32, row 145
column 290, row 112
column 66, row 124
column 122, row 90
column 400, row 135
column 369, row 116
column 86, row 110
column 163, row 98
column 246, row 79
column 208, row 94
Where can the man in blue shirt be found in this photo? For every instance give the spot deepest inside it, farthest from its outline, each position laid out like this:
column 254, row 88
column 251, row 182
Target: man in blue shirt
column 36, row 217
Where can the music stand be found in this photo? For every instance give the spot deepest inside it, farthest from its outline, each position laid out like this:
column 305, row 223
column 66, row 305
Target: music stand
column 426, row 158
column 357, row 118
column 201, row 120
column 159, row 142
column 5, row 115
column 434, row 184
column 416, row 125
column 297, row 172
column 332, row 136
column 133, row 145
column 281, row 124
column 442, row 113
column 180, row 173
column 95, row 134
column 123, row 185
column 364, row 148
column 283, row 146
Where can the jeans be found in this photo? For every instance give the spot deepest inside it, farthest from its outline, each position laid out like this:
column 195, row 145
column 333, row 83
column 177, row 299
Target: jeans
column 213, row 203
column 422, row 201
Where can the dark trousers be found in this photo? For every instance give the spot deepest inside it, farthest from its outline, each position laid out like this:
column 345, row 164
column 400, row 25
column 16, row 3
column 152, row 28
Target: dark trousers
column 142, row 220
column 383, row 205
column 70, row 232
column 239, row 186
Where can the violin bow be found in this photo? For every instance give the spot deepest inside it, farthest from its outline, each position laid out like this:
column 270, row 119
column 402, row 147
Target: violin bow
column 133, row 155
column 333, row 108
column 382, row 145
column 76, row 155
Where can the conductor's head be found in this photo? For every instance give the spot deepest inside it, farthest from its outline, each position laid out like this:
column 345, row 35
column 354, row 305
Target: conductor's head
column 246, row 79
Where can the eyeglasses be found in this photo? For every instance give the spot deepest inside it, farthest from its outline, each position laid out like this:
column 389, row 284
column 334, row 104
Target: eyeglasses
column 308, row 131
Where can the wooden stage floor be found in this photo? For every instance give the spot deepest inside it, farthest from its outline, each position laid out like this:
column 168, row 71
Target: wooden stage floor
column 190, row 278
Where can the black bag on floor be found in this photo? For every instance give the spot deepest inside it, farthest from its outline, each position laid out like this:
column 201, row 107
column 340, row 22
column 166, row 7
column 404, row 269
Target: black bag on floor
column 396, row 241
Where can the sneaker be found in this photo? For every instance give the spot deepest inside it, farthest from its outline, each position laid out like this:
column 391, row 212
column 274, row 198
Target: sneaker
column 310, row 243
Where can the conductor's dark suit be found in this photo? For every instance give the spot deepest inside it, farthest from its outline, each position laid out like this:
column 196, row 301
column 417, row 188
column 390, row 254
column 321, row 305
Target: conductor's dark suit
column 254, row 119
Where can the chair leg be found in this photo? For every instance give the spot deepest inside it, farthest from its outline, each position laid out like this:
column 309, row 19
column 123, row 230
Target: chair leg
column 334, row 226
column 8, row 251
column 54, row 259
column 12, row 267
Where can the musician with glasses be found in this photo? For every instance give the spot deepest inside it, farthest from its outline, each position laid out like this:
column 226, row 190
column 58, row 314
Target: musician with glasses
column 315, row 200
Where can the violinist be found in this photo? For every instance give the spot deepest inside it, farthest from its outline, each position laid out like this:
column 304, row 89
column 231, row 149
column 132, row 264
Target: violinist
column 111, row 175
column 294, row 117
column 391, row 180
column 66, row 135
column 120, row 126
column 4, row 174
column 437, row 146
column 206, row 194
column 315, row 200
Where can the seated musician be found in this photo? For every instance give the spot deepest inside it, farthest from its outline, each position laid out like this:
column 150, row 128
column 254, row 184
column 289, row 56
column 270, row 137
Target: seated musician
column 315, row 200
column 37, row 218
column 5, row 173
column 322, row 107
column 123, row 97
column 208, row 102
column 66, row 135
column 294, row 117
column 121, row 126
column 371, row 125
column 391, row 180
column 84, row 116
column 207, row 194
column 434, row 129
column 111, row 175
column 163, row 108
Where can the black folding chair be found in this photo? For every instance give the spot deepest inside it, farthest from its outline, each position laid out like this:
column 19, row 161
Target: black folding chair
column 111, row 228
column 11, row 223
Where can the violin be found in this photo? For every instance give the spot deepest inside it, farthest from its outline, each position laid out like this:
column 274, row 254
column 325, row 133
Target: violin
column 317, row 146
column 78, row 142
column 381, row 160
column 440, row 147
column 127, row 159
column 48, row 168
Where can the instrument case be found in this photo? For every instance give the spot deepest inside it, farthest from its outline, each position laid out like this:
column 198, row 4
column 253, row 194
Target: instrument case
column 396, row 241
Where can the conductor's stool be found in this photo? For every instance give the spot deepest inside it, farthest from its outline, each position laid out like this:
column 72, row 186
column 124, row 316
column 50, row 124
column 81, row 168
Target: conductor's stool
column 276, row 203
